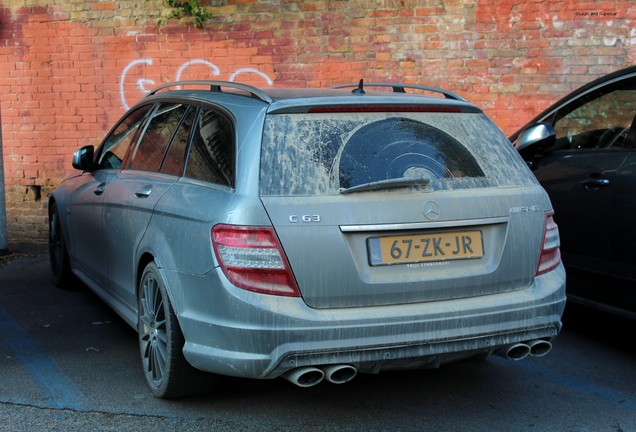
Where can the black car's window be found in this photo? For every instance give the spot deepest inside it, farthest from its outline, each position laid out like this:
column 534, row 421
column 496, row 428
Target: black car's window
column 212, row 152
column 325, row 154
column 152, row 146
column 599, row 120
column 114, row 148
column 173, row 162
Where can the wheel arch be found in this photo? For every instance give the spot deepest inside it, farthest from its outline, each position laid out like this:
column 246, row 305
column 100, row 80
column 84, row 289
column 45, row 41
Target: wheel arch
column 63, row 221
column 145, row 259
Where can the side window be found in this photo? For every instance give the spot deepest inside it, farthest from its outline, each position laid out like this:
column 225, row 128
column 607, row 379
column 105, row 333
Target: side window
column 153, row 144
column 600, row 120
column 173, row 162
column 212, row 152
column 114, row 148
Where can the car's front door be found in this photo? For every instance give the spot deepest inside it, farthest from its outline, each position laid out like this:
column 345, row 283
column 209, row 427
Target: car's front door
column 623, row 229
column 581, row 170
column 581, row 185
column 87, row 203
column 86, row 206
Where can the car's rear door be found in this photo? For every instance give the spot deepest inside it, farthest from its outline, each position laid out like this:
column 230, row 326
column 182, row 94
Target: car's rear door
column 400, row 208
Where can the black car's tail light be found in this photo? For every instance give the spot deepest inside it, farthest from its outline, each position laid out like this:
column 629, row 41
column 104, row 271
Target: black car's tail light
column 253, row 259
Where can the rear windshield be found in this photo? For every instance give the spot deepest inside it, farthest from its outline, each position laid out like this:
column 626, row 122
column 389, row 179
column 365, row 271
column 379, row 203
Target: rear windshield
column 324, row 154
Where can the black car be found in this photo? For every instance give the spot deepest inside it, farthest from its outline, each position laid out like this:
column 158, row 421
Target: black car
column 583, row 151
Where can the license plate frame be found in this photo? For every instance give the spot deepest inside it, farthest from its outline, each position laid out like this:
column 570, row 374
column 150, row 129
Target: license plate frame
column 423, row 247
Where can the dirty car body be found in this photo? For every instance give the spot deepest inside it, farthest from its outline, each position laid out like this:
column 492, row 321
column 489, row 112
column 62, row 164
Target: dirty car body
column 310, row 234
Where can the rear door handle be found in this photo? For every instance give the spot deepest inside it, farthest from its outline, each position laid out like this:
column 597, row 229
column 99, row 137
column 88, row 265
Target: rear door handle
column 595, row 182
column 144, row 192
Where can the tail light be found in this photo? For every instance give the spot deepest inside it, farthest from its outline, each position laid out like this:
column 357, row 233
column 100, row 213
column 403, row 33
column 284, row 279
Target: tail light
column 253, row 259
column 550, row 253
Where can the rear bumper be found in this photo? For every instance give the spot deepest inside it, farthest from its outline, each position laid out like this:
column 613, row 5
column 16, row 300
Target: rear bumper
column 425, row 354
column 238, row 333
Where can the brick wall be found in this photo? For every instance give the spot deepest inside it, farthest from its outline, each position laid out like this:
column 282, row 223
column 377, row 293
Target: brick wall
column 69, row 69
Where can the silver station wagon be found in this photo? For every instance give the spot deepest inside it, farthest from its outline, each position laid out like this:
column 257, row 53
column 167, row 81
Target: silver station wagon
column 310, row 234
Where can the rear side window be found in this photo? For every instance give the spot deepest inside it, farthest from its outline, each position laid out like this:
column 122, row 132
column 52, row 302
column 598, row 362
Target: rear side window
column 175, row 157
column 212, row 153
column 153, row 144
column 321, row 154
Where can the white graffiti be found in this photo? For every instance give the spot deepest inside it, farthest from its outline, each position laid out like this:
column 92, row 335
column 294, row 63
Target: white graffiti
column 215, row 69
column 251, row 70
column 141, row 83
column 145, row 85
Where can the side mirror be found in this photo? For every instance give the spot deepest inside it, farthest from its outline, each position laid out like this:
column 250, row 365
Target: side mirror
column 535, row 139
column 83, row 158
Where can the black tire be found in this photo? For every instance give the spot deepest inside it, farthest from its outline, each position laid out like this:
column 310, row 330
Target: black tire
column 161, row 342
column 61, row 272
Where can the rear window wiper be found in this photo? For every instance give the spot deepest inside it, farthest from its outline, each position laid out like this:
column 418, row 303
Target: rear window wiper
column 387, row 184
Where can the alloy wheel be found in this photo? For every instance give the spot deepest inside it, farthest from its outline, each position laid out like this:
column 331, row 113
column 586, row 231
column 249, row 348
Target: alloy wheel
column 153, row 334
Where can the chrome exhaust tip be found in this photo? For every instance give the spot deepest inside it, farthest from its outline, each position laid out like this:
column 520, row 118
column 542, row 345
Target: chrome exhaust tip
column 539, row 347
column 305, row 376
column 339, row 374
column 516, row 351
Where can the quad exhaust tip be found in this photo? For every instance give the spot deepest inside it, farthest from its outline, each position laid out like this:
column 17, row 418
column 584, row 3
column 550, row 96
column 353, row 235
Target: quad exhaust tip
column 311, row 376
column 339, row 374
column 305, row 376
column 539, row 347
column 518, row 351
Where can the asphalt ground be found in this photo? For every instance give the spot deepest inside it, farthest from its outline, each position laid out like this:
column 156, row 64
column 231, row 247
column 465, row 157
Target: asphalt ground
column 68, row 363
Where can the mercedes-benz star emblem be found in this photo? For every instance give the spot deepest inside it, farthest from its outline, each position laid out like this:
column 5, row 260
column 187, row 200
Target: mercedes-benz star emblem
column 431, row 210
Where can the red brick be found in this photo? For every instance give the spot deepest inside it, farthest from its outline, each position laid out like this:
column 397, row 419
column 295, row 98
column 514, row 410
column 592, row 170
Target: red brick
column 60, row 78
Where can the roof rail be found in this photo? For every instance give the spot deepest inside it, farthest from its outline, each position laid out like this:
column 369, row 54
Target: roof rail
column 216, row 86
column 401, row 88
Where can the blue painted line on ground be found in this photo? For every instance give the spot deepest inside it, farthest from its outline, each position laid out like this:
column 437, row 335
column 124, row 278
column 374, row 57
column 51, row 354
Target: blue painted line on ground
column 58, row 389
column 615, row 397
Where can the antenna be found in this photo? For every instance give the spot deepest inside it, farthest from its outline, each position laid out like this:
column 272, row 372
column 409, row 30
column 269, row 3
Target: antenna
column 360, row 89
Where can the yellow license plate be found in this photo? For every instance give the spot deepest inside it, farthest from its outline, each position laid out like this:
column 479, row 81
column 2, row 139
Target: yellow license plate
column 428, row 247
